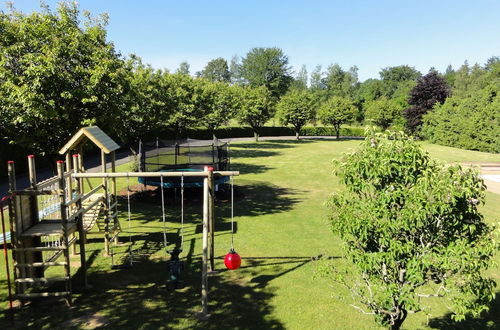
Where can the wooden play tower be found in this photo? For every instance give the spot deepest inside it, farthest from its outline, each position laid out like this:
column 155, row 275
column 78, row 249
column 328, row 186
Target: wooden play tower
column 51, row 218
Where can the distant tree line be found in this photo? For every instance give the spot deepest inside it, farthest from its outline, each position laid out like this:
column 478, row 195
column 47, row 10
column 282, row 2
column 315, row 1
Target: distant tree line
column 59, row 72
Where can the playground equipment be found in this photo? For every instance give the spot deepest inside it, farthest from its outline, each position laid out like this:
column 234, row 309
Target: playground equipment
column 51, row 216
column 232, row 259
column 188, row 156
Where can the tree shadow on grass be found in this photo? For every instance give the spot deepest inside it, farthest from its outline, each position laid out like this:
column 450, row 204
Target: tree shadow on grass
column 487, row 320
column 252, row 153
column 140, row 298
column 257, row 198
column 249, row 168
column 276, row 144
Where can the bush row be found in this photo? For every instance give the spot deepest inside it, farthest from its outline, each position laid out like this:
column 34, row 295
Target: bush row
column 235, row 132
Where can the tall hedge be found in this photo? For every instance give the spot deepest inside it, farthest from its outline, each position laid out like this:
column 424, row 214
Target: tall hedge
column 469, row 123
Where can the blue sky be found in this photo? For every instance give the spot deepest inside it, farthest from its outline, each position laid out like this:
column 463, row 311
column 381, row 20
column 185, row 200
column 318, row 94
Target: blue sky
column 369, row 34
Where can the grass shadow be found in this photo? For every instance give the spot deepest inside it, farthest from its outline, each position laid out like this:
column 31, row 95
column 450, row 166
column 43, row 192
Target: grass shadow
column 140, row 298
column 257, row 198
column 249, row 168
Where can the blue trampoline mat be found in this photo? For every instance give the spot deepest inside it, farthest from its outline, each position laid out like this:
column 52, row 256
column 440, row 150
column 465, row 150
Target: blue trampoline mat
column 175, row 182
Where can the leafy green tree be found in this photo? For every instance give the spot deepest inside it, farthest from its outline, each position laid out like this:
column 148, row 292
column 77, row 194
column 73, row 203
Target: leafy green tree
column 220, row 103
column 393, row 77
column 399, row 73
column 411, row 230
column 431, row 89
column 147, row 109
column 256, row 107
column 57, row 75
column 267, row 67
column 471, row 122
column 183, row 68
column 216, row 70
column 383, row 112
column 449, row 75
column 491, row 62
column 337, row 111
column 235, row 69
column 295, row 108
column 317, row 81
column 300, row 80
column 184, row 100
column 339, row 82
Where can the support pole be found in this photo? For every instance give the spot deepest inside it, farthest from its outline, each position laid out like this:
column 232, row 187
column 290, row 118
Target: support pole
column 204, row 273
column 69, row 189
column 36, row 241
column 81, row 231
column 6, row 256
column 211, row 216
column 64, row 224
column 69, row 183
column 113, row 197
column 106, row 202
column 16, row 228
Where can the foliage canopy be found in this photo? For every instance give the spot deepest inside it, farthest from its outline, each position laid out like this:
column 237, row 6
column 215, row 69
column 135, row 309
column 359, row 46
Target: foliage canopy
column 295, row 108
column 412, row 230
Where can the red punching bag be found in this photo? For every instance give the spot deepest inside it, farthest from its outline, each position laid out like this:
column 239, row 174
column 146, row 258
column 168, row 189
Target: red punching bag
column 232, row 260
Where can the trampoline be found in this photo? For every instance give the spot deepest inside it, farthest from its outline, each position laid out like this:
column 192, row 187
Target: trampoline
column 184, row 156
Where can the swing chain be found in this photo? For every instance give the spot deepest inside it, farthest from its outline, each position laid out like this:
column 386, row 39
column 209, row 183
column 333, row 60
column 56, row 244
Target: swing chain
column 182, row 211
column 129, row 225
column 165, row 242
column 232, row 213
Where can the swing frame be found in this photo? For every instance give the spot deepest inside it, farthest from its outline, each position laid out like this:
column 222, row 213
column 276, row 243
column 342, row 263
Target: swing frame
column 208, row 176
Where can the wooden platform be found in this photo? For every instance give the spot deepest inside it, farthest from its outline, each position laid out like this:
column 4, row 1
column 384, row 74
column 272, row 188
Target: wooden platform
column 48, row 228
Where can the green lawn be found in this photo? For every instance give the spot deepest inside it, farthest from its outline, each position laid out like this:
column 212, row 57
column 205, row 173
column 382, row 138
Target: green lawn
column 281, row 227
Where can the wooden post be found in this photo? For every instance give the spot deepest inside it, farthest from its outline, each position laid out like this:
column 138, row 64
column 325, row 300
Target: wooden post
column 81, row 231
column 69, row 183
column 81, row 167
column 204, row 268
column 36, row 241
column 106, row 201
column 15, row 227
column 69, row 189
column 64, row 225
column 211, row 213
column 113, row 199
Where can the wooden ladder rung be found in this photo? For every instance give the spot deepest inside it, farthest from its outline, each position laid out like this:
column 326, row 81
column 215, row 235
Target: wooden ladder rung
column 42, row 264
column 45, row 248
column 42, row 294
column 41, row 279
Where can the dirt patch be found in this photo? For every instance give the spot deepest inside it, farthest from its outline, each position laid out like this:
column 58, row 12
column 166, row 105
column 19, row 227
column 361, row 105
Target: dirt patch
column 89, row 321
column 136, row 189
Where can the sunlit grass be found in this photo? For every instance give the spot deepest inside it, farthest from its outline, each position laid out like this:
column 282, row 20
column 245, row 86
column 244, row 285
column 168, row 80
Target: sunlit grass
column 281, row 227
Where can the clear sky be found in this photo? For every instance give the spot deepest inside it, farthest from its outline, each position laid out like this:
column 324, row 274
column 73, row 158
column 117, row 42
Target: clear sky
column 370, row 34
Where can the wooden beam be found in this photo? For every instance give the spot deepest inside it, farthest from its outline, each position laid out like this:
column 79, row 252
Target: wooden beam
column 36, row 241
column 204, row 268
column 106, row 197
column 211, row 216
column 81, row 232
column 113, row 208
column 64, row 222
column 153, row 174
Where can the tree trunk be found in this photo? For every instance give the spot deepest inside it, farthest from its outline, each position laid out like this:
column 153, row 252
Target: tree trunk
column 337, row 130
column 136, row 166
column 297, row 136
column 256, row 136
column 399, row 321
